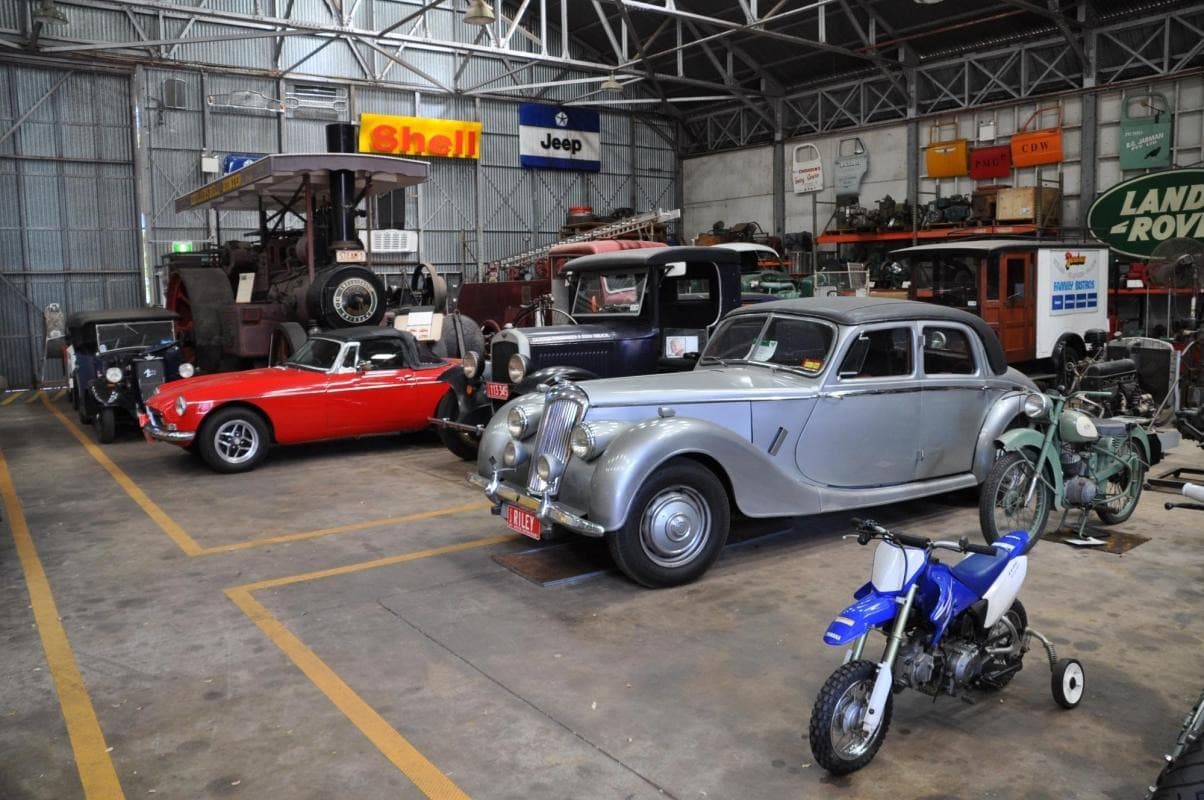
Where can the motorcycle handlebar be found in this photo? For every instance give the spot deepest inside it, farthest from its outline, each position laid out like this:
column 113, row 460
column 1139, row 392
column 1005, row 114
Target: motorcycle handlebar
column 911, row 541
column 981, row 549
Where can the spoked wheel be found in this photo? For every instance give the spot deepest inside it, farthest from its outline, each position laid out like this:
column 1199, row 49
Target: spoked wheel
column 676, row 527
column 1068, row 682
column 999, row 670
column 1124, row 486
column 1005, row 504
column 838, row 742
column 233, row 440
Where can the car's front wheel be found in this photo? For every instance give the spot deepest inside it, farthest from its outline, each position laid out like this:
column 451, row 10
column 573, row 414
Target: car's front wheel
column 106, row 425
column 233, row 439
column 676, row 527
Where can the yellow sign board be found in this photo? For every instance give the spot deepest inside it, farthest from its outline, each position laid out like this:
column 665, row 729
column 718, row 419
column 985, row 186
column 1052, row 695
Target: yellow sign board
column 419, row 136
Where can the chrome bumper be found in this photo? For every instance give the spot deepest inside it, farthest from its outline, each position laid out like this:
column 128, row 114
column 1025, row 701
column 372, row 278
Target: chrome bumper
column 545, row 509
column 164, row 435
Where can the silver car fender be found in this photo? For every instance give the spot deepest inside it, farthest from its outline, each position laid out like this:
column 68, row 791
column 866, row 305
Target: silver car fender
column 758, row 489
column 1006, row 409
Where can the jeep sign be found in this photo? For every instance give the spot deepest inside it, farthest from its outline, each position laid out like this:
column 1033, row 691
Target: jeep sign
column 1137, row 215
column 559, row 138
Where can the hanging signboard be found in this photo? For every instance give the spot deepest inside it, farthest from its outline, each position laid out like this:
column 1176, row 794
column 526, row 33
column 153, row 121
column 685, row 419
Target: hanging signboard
column 1136, row 216
column 850, row 167
column 990, row 162
column 808, row 171
column 945, row 157
column 1145, row 141
column 1032, row 146
column 550, row 137
column 419, row 136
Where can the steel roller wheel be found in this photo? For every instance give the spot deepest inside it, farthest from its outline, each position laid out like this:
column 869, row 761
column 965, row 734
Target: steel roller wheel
column 233, row 439
column 200, row 295
column 1004, row 504
column 676, row 526
column 1124, row 485
column 287, row 339
column 837, row 740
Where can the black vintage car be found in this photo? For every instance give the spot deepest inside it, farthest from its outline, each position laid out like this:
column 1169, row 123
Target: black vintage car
column 116, row 359
column 638, row 312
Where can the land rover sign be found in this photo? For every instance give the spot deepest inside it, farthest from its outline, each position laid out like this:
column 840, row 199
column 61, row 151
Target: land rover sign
column 1136, row 216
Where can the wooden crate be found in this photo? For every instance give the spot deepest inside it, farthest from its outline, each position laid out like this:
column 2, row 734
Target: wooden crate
column 1041, row 204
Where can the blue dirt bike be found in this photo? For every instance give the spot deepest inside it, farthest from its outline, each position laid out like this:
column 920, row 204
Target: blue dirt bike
column 949, row 629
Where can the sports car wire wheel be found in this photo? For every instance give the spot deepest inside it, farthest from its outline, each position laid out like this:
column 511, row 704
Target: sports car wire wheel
column 237, row 441
column 675, row 526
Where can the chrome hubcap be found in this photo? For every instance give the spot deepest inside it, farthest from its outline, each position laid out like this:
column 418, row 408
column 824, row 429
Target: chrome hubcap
column 236, row 441
column 848, row 739
column 675, row 526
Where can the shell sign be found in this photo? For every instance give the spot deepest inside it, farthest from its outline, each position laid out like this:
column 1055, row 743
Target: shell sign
column 419, row 136
column 1136, row 216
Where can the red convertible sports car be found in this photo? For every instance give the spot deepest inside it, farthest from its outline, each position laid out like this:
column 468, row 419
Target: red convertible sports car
column 350, row 382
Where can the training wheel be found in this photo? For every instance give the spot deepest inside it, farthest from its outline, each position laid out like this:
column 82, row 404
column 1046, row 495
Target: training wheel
column 1067, row 682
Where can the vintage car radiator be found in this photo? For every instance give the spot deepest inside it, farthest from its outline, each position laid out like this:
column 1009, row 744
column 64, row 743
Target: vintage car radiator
column 500, row 355
column 565, row 407
column 150, row 373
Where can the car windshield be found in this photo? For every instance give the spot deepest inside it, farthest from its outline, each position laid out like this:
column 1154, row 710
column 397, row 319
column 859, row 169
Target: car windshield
column 800, row 344
column 611, row 292
column 119, row 335
column 316, row 353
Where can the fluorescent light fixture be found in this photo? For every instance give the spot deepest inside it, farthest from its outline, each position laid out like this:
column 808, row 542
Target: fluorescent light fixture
column 48, row 13
column 479, row 12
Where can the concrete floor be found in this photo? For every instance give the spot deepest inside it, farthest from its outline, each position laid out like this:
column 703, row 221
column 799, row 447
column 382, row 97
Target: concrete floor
column 442, row 672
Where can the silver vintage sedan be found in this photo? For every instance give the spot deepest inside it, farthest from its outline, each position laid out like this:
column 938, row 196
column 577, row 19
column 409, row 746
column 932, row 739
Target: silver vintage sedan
column 795, row 407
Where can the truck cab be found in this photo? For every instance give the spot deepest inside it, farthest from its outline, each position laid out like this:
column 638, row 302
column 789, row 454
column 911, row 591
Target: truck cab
column 1040, row 298
column 637, row 312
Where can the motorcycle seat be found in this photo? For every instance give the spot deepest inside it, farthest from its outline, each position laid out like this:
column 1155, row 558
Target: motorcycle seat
column 1113, row 427
column 977, row 572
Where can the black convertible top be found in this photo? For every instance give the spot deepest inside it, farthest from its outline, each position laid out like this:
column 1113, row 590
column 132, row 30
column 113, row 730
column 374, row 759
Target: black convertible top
column 417, row 353
column 651, row 257
column 108, row 315
column 864, row 310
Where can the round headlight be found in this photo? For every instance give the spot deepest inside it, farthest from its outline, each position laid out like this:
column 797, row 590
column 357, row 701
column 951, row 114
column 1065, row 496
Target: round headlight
column 114, row 374
column 471, row 364
column 516, row 367
column 581, row 442
column 1036, row 406
column 181, row 405
column 517, row 421
column 186, row 370
column 547, row 468
column 514, row 454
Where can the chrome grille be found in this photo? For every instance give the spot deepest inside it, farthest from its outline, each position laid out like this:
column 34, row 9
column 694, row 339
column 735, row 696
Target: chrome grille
column 565, row 405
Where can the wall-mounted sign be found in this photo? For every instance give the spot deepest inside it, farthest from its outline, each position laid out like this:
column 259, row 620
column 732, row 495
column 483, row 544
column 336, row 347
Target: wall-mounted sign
column 419, row 136
column 1136, row 216
column 808, row 169
column 1145, row 141
column 559, row 138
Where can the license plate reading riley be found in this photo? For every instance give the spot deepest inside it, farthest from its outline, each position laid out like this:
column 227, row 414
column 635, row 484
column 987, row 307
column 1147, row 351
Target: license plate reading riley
column 522, row 521
column 497, row 391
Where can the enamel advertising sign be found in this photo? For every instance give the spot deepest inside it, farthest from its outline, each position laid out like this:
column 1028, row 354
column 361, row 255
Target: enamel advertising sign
column 419, row 136
column 550, row 137
column 1136, row 216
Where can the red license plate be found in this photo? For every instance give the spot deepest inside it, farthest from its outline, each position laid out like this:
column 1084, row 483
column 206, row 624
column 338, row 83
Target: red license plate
column 522, row 521
column 497, row 391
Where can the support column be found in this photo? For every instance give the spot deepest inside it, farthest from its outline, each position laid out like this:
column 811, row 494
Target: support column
column 479, row 183
column 779, row 172
column 143, row 201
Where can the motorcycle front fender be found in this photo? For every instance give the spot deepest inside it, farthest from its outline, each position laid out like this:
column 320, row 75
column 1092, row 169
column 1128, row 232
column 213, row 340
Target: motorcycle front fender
column 870, row 611
column 1029, row 441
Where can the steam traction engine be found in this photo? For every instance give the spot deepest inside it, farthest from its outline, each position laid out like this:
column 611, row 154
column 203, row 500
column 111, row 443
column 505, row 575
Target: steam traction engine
column 248, row 302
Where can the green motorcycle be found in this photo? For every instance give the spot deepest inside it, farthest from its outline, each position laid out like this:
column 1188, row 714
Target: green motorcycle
column 1068, row 460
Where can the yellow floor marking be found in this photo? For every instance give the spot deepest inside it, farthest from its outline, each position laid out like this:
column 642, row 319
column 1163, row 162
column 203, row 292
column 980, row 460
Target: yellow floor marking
column 34, row 396
column 378, row 562
column 96, row 771
column 395, row 747
column 11, row 397
column 60, row 394
column 354, row 526
column 160, row 517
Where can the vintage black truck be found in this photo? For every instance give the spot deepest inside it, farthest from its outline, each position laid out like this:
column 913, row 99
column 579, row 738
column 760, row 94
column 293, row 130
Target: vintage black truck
column 638, row 312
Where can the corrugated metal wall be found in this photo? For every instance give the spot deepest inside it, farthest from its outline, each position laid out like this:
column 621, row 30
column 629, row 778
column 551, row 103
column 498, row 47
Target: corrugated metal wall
column 67, row 222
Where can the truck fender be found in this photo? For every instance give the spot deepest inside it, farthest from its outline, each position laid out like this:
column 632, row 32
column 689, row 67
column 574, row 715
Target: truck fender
column 757, row 489
column 551, row 375
column 470, row 394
